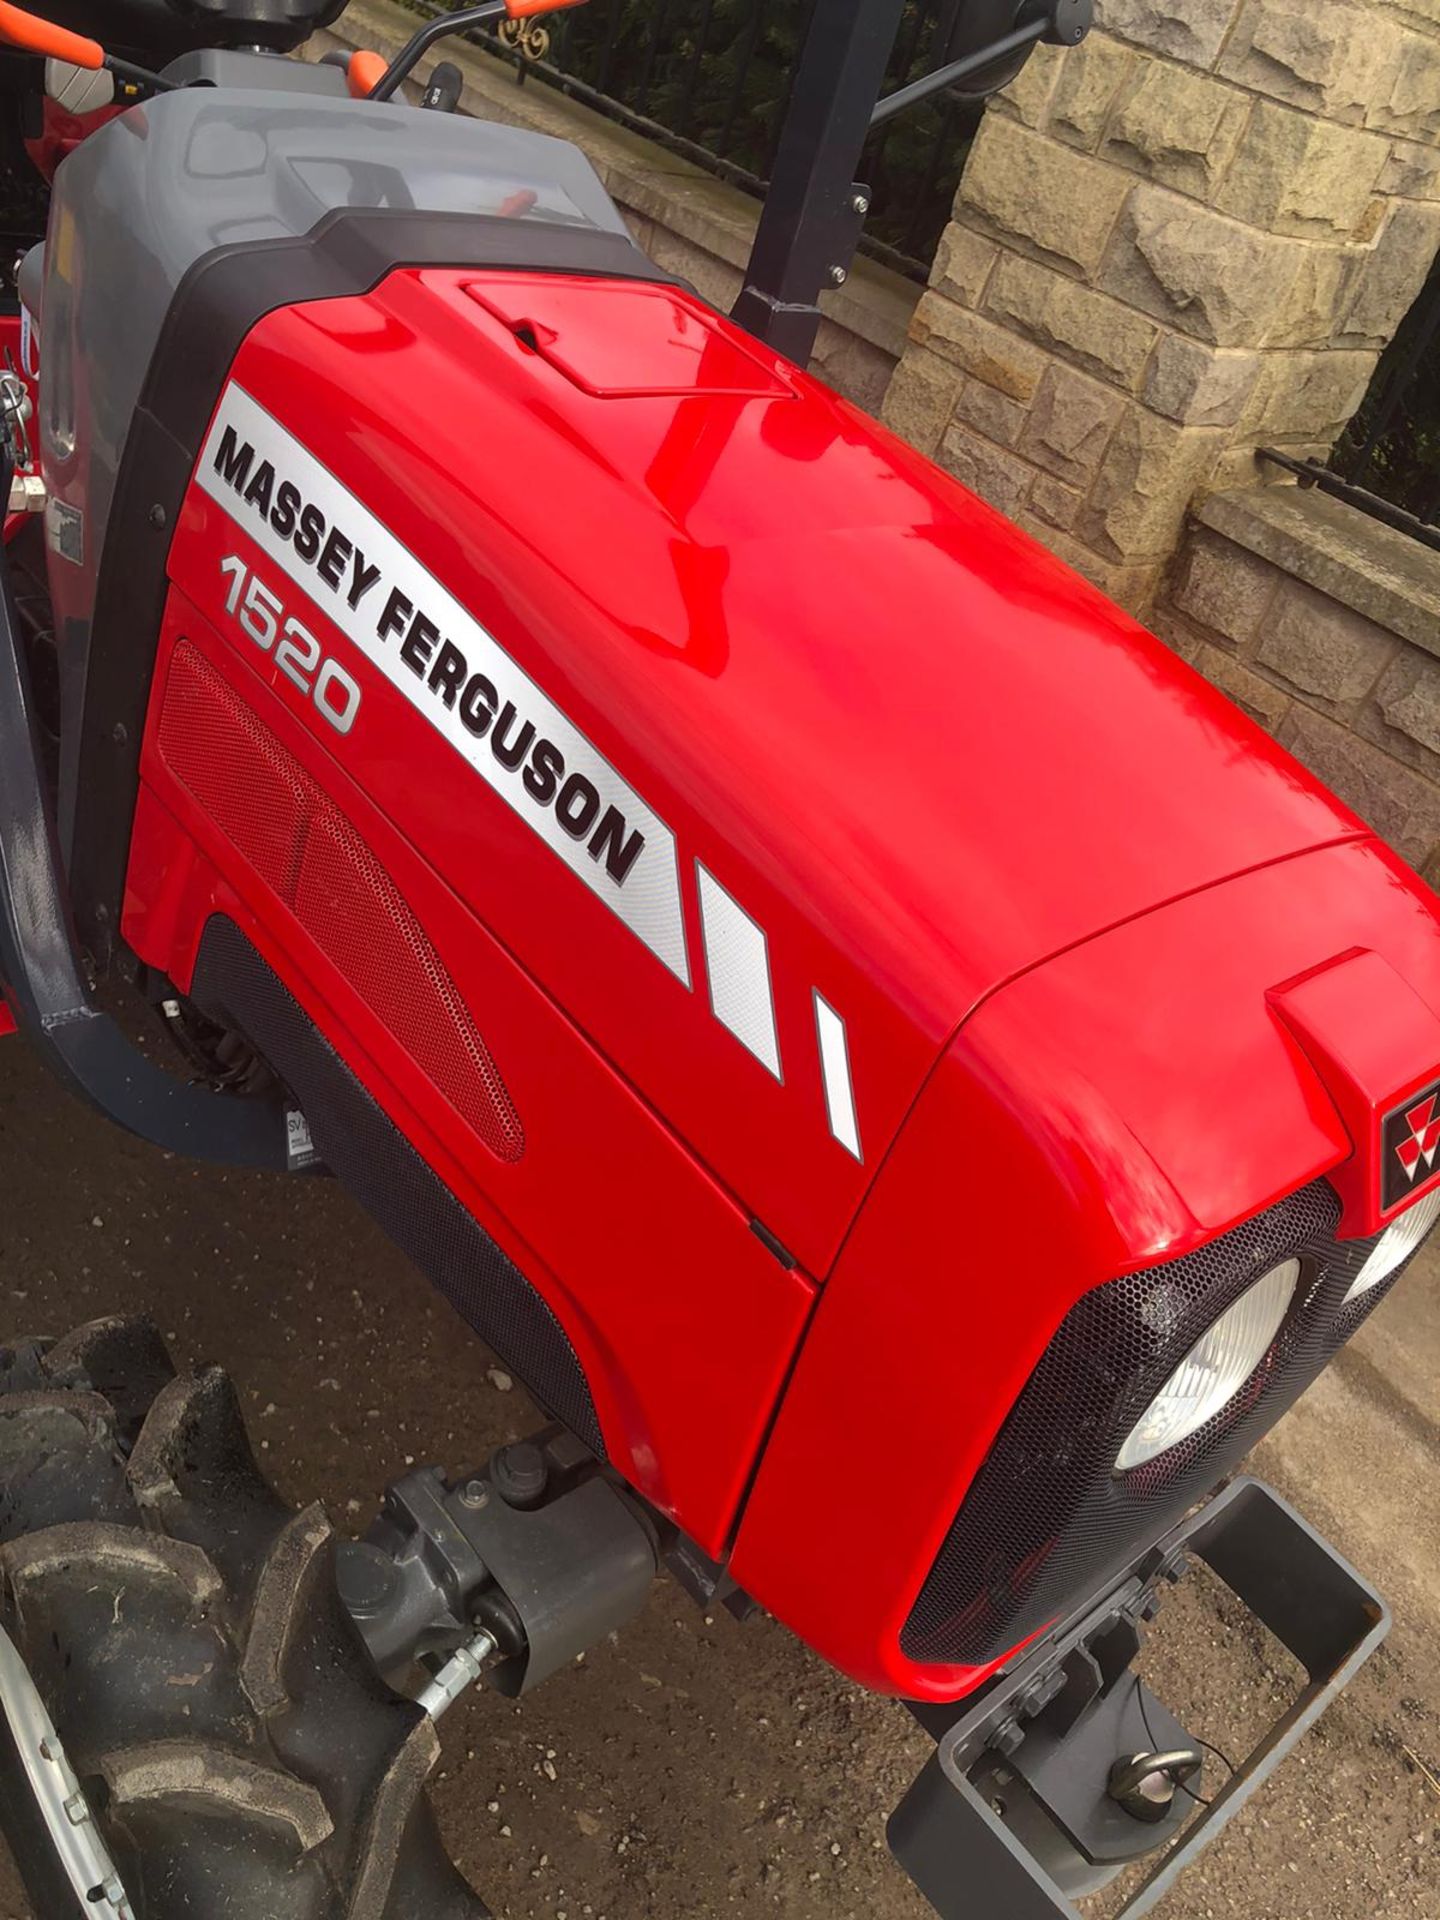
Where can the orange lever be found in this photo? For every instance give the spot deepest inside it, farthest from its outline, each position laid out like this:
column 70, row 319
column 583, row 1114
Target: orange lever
column 363, row 73
column 522, row 9
column 35, row 35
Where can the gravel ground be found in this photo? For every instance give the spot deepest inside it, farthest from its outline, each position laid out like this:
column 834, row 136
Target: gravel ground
column 693, row 1767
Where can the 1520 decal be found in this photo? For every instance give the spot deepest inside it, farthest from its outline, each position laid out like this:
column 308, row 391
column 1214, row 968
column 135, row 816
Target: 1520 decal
column 298, row 654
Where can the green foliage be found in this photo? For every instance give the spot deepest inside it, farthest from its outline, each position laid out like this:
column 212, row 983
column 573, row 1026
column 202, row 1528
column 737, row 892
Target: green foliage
column 717, row 74
column 1404, row 464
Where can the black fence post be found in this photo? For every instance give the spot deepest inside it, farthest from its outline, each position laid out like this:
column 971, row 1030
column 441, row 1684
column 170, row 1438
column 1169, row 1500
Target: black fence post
column 815, row 208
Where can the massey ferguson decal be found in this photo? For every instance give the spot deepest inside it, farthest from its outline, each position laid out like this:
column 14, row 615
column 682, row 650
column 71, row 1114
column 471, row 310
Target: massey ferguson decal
column 1411, row 1145
column 448, row 667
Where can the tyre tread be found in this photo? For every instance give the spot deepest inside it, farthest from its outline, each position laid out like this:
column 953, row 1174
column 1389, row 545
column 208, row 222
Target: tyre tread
column 186, row 1774
column 291, row 1737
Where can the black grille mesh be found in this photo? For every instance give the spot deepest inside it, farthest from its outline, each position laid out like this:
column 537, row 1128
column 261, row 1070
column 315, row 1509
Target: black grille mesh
column 1047, row 1516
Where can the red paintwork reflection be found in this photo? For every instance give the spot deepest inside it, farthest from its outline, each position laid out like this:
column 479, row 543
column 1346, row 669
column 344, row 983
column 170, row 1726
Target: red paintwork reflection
column 917, row 750
column 950, row 782
column 658, row 341
column 1116, row 1107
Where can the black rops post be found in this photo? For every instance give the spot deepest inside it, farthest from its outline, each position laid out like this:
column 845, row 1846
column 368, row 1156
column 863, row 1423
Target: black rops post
column 815, row 208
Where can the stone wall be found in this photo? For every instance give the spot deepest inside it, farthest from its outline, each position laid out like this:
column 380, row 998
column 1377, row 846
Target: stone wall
column 1186, row 238
column 1325, row 626
column 687, row 221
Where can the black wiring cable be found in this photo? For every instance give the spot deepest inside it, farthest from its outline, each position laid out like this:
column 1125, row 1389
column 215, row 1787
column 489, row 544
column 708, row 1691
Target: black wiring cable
column 1209, row 1747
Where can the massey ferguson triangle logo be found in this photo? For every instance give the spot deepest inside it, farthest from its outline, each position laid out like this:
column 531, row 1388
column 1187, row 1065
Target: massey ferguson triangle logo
column 1423, row 1138
column 1412, row 1146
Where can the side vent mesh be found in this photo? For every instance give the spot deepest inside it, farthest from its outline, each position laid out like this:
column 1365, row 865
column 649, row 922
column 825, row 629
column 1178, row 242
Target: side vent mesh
column 297, row 840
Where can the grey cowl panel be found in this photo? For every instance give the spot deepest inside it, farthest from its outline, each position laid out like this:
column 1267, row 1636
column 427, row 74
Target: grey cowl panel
column 168, row 182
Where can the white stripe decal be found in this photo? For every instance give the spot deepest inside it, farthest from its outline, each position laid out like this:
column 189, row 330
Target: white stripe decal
column 737, row 962
column 835, row 1066
column 401, row 618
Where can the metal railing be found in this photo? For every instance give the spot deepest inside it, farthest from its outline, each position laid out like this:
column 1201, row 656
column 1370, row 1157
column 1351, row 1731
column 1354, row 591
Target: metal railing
column 711, row 80
column 1387, row 462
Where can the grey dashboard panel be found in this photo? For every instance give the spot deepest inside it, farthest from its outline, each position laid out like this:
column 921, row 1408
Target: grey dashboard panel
column 237, row 67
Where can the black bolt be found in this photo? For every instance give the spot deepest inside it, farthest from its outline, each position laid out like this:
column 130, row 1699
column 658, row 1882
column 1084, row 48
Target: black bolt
column 519, row 1474
column 366, row 1576
column 1007, row 1739
column 158, row 516
column 118, row 733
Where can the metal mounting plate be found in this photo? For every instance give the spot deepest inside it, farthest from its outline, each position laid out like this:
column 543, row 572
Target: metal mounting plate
column 960, row 1853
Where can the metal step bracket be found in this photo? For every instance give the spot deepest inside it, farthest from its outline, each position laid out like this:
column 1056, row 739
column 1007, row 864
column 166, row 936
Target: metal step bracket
column 955, row 1833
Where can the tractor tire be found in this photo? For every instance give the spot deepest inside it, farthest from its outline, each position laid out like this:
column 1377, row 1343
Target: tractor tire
column 239, row 1755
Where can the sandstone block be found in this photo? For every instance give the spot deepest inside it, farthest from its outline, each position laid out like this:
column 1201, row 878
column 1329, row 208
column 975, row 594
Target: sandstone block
column 1260, row 698
column 964, row 261
column 1295, row 174
column 1239, row 467
column 1188, row 30
column 1177, row 127
column 1404, row 717
column 1406, row 98
column 1091, row 76
column 1042, row 196
column 1331, row 59
column 1132, row 587
column 1199, row 386
column 1322, row 287
column 1151, row 472
column 991, row 413
column 988, row 351
column 1416, row 13
column 1198, row 271
column 853, row 366
column 1320, row 647
column 1310, row 396
column 714, row 279
column 1342, row 552
column 1174, row 630
column 1028, row 94
column 1053, row 502
column 1402, row 806
column 921, row 398
column 997, row 476
column 1223, row 588
column 1087, row 328
column 1392, row 274
column 1070, row 425
column 1412, row 171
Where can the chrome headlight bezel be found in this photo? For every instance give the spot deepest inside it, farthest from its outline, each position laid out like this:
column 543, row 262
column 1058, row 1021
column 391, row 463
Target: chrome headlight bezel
column 1215, row 1369
column 1400, row 1239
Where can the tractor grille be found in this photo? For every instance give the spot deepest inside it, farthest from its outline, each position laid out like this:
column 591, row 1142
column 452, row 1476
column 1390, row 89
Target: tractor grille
column 1048, row 1517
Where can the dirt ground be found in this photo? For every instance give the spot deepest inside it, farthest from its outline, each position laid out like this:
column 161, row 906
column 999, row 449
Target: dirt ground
column 693, row 1767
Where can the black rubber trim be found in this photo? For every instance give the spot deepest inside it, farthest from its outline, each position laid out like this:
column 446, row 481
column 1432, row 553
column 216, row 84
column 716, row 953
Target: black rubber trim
column 378, row 1166
column 774, row 1244
column 42, row 974
column 223, row 296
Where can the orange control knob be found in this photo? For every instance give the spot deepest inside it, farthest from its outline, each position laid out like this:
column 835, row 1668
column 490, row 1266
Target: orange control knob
column 35, row 35
column 364, row 73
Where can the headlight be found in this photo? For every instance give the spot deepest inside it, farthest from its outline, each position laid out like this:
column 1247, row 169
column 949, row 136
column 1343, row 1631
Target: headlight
column 1215, row 1368
column 1397, row 1243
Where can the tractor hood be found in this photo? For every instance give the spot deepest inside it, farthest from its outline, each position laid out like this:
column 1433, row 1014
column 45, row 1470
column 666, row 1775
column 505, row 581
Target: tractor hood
column 866, row 751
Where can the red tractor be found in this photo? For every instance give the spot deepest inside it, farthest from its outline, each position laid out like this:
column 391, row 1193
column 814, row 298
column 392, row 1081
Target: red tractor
column 738, row 913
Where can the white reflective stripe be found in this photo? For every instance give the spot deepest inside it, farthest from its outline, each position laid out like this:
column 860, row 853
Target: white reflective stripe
column 835, row 1067
column 646, row 895
column 737, row 962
